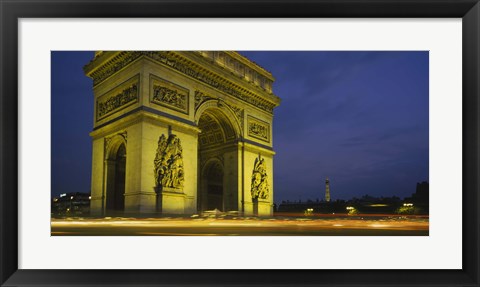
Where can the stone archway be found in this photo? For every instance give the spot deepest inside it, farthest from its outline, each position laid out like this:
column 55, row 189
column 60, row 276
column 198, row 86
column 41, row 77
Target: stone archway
column 212, row 192
column 217, row 105
column 116, row 158
column 217, row 147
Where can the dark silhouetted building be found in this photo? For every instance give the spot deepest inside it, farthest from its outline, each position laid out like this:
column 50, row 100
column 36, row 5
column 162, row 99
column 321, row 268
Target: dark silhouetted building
column 420, row 198
column 71, row 204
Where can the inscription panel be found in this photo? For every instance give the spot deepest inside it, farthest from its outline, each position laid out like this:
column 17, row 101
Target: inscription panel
column 118, row 98
column 168, row 94
column 258, row 129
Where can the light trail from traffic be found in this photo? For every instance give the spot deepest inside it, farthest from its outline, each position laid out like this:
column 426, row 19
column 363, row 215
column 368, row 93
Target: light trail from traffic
column 211, row 226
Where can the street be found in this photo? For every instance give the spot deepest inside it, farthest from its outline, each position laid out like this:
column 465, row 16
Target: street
column 213, row 226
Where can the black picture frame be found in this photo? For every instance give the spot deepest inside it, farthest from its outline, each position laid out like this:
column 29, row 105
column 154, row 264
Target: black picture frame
column 11, row 11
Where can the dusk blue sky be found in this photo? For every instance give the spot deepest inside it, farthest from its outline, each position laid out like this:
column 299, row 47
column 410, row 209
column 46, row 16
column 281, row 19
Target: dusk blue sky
column 359, row 118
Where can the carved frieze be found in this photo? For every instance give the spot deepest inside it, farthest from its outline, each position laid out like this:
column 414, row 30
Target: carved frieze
column 200, row 98
column 195, row 72
column 258, row 129
column 186, row 67
column 169, row 95
column 120, row 61
column 238, row 113
column 260, row 187
column 168, row 163
column 118, row 98
column 225, row 60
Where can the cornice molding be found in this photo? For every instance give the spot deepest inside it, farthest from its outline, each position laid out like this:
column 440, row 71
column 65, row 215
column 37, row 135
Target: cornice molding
column 107, row 64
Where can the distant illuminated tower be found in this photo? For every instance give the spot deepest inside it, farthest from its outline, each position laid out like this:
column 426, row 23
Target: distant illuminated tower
column 327, row 190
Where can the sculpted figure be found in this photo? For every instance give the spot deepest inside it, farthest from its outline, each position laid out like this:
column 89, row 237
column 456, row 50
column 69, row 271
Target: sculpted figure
column 259, row 188
column 169, row 163
column 160, row 161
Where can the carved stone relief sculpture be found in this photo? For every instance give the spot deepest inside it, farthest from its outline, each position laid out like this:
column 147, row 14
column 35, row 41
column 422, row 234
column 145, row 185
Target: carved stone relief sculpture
column 201, row 97
column 108, row 105
column 185, row 67
column 258, row 129
column 169, row 95
column 168, row 163
column 260, row 189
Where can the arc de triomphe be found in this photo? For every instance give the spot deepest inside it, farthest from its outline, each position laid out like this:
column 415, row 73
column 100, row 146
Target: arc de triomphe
column 181, row 133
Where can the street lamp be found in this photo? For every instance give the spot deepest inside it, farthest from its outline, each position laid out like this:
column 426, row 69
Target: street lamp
column 71, row 198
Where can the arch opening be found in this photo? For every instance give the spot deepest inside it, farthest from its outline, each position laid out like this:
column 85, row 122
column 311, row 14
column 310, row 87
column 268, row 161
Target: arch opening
column 115, row 195
column 217, row 138
column 213, row 179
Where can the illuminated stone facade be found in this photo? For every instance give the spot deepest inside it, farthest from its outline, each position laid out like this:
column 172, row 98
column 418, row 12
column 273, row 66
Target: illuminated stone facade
column 181, row 133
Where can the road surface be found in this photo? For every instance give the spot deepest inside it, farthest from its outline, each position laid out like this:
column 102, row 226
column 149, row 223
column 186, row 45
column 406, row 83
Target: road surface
column 213, row 226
